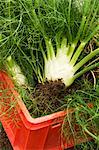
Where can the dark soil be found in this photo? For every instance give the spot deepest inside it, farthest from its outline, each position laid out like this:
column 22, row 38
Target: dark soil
column 4, row 141
column 48, row 98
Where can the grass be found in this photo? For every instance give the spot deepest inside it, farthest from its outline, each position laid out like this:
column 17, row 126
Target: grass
column 86, row 146
column 8, row 105
column 84, row 117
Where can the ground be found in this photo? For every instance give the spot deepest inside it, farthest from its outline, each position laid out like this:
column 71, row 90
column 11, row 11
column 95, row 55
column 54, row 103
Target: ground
column 4, row 141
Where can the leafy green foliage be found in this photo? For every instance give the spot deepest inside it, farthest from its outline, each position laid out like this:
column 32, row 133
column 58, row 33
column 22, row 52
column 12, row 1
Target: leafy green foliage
column 26, row 25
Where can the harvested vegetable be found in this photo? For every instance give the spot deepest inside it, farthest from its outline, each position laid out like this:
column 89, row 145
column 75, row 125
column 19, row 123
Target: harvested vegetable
column 59, row 30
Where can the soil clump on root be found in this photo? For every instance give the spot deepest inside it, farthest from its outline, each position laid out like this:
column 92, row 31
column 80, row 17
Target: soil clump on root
column 48, row 98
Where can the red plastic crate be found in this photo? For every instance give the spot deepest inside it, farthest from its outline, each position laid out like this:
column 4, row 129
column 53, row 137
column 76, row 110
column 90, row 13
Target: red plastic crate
column 25, row 132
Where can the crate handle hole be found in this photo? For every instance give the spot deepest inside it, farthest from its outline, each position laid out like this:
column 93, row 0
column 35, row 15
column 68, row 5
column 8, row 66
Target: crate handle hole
column 56, row 125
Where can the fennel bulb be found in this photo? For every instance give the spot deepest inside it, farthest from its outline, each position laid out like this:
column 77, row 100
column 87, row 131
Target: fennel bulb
column 15, row 71
column 59, row 68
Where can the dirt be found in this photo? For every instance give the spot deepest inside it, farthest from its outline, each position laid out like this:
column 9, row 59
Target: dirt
column 4, row 141
column 48, row 98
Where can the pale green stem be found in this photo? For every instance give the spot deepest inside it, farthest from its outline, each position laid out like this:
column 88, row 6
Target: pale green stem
column 88, row 132
column 92, row 34
column 88, row 19
column 72, row 47
column 33, row 57
column 94, row 15
column 85, row 70
column 54, row 6
column 9, row 16
column 69, row 14
column 32, row 65
column 97, row 59
column 77, row 53
column 86, row 6
column 80, row 28
column 71, row 50
column 69, row 11
column 64, row 46
column 86, row 59
column 40, row 80
column 64, row 42
column 43, row 53
column 57, row 47
column 57, row 40
column 50, row 50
